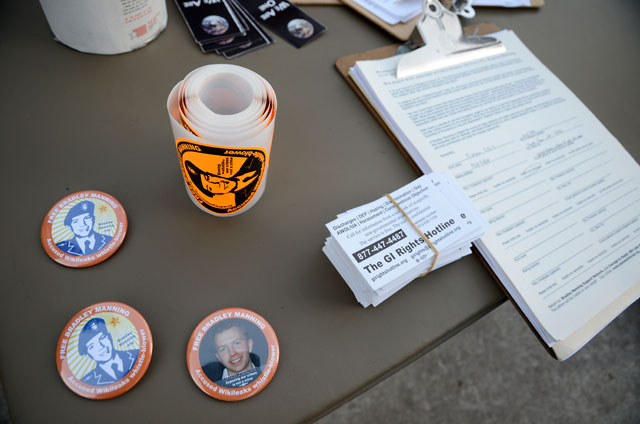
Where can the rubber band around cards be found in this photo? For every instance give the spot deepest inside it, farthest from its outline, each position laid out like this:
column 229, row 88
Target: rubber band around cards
column 233, row 354
column 223, row 118
column 104, row 350
column 415, row 227
column 84, row 229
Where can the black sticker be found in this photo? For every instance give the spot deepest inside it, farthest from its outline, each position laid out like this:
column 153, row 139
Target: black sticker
column 210, row 20
column 285, row 19
column 256, row 37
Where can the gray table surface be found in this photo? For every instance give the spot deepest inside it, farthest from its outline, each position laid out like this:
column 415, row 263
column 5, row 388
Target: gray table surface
column 74, row 121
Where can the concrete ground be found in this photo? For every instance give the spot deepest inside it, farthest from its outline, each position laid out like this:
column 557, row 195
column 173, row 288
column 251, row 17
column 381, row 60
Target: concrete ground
column 495, row 371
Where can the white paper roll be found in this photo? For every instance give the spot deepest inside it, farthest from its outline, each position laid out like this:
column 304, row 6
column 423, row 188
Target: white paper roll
column 223, row 118
column 105, row 26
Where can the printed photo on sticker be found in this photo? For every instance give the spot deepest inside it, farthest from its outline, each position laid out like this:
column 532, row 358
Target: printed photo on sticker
column 300, row 28
column 103, row 349
column 84, row 227
column 214, row 25
column 233, row 353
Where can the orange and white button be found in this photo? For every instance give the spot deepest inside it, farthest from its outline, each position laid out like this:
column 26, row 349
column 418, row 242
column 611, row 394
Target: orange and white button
column 233, row 354
column 84, row 229
column 104, row 350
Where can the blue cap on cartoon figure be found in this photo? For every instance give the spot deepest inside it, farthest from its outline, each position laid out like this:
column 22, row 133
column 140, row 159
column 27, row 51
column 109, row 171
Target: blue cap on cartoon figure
column 83, row 207
column 91, row 329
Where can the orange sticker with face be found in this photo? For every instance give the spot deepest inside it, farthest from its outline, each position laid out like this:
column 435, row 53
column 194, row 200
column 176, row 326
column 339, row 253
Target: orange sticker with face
column 222, row 180
column 232, row 354
column 104, row 350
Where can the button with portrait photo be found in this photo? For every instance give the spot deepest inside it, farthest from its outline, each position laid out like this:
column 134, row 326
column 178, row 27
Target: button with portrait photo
column 232, row 354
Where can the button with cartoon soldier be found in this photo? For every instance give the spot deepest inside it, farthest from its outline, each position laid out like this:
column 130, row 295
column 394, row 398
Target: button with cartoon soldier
column 104, row 350
column 84, row 229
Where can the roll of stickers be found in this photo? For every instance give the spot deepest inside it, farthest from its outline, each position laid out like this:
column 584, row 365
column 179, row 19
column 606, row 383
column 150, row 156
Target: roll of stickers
column 223, row 118
column 105, row 27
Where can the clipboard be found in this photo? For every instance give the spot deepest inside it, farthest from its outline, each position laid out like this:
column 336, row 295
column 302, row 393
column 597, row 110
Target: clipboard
column 344, row 63
column 562, row 349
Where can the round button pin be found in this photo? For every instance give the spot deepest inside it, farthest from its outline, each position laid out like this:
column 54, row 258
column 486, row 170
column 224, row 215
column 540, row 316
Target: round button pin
column 233, row 354
column 104, row 350
column 84, row 229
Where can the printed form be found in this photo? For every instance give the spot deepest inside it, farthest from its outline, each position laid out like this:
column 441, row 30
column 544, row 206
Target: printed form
column 561, row 194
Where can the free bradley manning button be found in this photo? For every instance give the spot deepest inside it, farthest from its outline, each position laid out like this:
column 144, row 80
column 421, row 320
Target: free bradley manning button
column 84, row 229
column 232, row 354
column 104, row 350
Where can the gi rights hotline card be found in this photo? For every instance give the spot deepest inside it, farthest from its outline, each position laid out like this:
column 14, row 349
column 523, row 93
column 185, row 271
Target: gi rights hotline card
column 381, row 246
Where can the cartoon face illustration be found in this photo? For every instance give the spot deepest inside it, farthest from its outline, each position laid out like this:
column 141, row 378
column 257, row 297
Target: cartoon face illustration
column 211, row 184
column 96, row 342
column 100, row 347
column 82, row 224
column 81, row 237
column 81, row 218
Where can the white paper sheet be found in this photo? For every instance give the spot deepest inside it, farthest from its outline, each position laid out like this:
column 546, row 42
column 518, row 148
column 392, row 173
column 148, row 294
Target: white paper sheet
column 561, row 194
column 503, row 3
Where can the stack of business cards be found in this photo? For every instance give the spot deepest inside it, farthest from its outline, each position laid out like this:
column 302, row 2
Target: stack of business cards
column 380, row 247
column 223, row 26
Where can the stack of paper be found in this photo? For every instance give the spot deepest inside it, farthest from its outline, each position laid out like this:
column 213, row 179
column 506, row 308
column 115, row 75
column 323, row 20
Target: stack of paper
column 504, row 3
column 393, row 11
column 560, row 192
column 402, row 11
column 377, row 249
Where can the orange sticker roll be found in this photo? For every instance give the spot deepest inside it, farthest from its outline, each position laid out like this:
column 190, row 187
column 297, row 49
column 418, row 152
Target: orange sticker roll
column 223, row 118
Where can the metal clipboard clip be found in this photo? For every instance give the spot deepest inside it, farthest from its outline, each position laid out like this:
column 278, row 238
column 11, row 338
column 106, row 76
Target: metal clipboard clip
column 445, row 43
